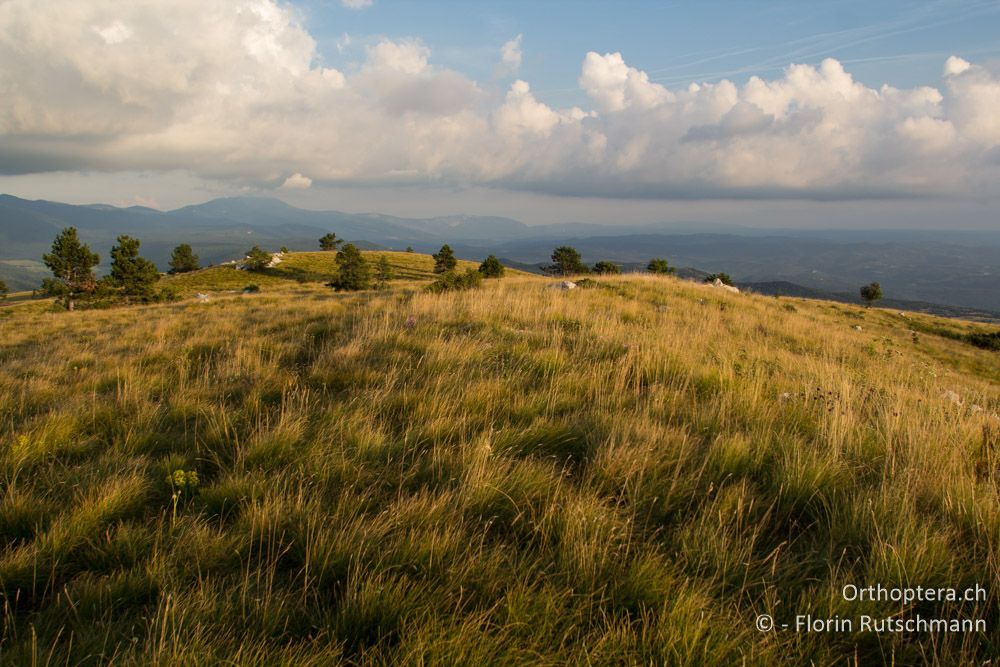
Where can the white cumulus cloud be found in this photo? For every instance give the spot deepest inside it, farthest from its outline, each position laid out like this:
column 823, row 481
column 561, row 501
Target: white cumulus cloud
column 297, row 182
column 234, row 90
column 357, row 4
column 510, row 57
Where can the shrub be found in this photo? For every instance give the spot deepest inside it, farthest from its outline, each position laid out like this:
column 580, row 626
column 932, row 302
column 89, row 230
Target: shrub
column 491, row 267
column 3, row 290
column 183, row 259
column 453, row 281
column 444, row 259
column 605, row 267
column 353, row 272
column 721, row 277
column 252, row 288
column 257, row 259
column 986, row 341
column 659, row 266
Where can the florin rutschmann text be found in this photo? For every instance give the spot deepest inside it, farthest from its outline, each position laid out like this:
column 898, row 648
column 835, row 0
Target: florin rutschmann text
column 898, row 622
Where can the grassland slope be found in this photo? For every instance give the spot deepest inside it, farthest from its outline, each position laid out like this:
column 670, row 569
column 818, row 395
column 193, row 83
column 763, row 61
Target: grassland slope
column 625, row 474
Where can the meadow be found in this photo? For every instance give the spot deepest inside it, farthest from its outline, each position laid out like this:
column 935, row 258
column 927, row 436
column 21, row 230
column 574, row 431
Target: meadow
column 627, row 473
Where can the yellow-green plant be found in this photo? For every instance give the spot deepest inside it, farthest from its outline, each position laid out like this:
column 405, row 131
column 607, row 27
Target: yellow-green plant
column 182, row 485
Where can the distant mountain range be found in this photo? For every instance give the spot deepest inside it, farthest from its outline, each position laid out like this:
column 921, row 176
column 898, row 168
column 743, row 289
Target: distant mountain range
column 954, row 272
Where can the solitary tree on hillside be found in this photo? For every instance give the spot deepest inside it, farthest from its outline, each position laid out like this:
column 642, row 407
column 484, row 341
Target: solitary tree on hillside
column 3, row 290
column 383, row 272
column 257, row 259
column 353, row 272
column 721, row 277
column 444, row 259
column 329, row 241
column 72, row 265
column 409, row 248
column 871, row 293
column 566, row 261
column 659, row 266
column 183, row 259
column 607, row 268
column 130, row 273
column 491, row 267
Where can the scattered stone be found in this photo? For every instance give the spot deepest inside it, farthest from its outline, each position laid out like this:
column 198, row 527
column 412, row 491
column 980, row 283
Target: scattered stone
column 728, row 288
column 202, row 298
column 857, row 327
column 951, row 396
column 785, row 397
column 565, row 285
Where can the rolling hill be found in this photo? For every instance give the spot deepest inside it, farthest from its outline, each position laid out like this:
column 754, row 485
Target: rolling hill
column 952, row 269
column 631, row 472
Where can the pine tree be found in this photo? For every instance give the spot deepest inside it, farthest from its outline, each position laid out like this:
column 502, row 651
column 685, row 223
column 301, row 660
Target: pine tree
column 133, row 275
column 72, row 265
column 607, row 268
column 383, row 272
column 491, row 267
column 444, row 260
column 329, row 241
column 871, row 293
column 183, row 259
column 566, row 261
column 659, row 266
column 353, row 272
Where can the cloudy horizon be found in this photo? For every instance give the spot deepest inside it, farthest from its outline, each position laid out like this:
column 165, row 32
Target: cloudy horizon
column 168, row 104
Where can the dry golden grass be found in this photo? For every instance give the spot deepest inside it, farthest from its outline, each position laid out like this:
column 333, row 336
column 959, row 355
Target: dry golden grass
column 624, row 474
column 305, row 267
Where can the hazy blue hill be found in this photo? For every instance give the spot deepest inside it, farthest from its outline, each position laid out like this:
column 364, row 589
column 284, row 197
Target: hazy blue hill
column 956, row 268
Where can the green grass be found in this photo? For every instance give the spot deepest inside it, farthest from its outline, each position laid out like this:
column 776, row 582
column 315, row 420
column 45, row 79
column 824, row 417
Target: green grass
column 627, row 474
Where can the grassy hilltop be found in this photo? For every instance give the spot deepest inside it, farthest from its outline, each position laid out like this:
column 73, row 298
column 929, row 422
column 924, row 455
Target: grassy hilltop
column 627, row 473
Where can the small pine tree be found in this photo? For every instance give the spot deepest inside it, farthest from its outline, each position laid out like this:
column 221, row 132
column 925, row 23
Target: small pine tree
column 353, row 272
column 605, row 267
column 383, row 272
column 444, row 259
column 721, row 277
column 871, row 293
column 183, row 259
column 257, row 259
column 72, row 265
column 659, row 266
column 409, row 248
column 566, row 261
column 133, row 276
column 329, row 241
column 491, row 267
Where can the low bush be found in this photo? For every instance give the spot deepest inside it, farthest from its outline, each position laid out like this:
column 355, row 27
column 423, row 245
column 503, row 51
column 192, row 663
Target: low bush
column 453, row 281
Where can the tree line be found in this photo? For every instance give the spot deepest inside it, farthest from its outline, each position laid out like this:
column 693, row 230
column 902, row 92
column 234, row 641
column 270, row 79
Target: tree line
column 133, row 278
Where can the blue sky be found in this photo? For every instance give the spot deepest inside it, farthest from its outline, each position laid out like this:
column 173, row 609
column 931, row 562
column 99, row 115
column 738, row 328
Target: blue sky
column 902, row 43
column 761, row 113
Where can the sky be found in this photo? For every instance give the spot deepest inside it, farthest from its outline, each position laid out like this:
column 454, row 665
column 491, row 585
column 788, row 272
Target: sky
column 768, row 114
